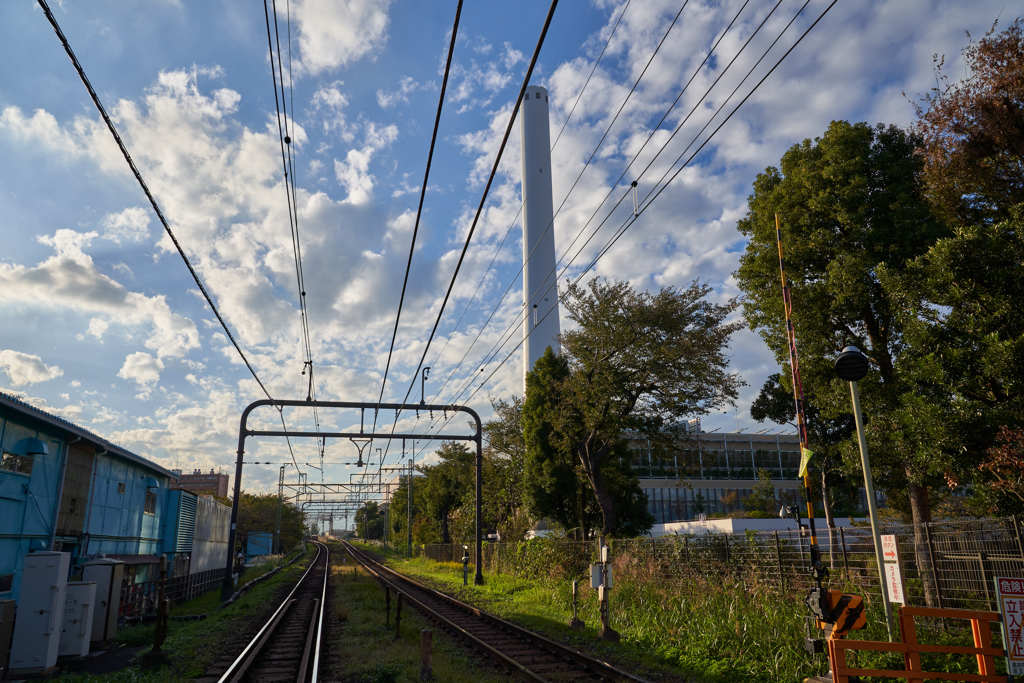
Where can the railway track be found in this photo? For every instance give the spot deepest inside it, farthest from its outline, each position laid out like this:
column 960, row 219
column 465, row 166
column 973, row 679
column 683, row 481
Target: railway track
column 532, row 655
column 287, row 646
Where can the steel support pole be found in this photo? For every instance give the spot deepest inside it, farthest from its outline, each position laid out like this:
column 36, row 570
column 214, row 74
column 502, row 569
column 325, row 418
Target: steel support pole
column 280, row 504
column 228, row 585
column 478, row 578
column 408, row 501
column 869, row 489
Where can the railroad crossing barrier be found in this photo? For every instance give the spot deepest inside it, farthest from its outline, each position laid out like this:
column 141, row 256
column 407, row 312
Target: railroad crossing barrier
column 983, row 650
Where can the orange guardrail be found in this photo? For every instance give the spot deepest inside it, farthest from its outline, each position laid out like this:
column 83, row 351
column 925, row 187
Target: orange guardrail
column 912, row 672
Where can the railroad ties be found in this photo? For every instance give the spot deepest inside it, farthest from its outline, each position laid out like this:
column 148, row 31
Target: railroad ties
column 286, row 647
column 530, row 654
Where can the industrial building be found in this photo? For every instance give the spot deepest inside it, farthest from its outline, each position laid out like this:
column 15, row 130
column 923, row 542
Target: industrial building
column 212, row 483
column 63, row 488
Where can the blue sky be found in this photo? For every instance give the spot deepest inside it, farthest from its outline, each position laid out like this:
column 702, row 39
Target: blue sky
column 103, row 325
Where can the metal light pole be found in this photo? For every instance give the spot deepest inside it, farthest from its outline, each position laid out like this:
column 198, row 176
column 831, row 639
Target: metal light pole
column 852, row 365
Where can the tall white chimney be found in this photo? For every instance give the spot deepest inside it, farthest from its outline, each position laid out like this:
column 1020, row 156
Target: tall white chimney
column 540, row 284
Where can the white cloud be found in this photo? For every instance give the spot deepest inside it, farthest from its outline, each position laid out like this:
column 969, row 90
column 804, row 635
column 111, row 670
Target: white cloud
column 334, row 34
column 354, row 172
column 388, row 99
column 141, row 368
column 130, row 225
column 70, row 280
column 26, row 368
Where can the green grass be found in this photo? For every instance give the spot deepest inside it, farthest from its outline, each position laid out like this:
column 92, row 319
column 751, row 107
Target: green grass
column 193, row 645
column 713, row 628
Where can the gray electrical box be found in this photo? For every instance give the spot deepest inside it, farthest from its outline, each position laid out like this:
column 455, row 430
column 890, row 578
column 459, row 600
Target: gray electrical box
column 44, row 582
column 107, row 575
column 596, row 571
column 77, row 628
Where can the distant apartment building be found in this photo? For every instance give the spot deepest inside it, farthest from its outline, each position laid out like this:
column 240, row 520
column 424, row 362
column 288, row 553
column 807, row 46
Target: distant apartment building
column 212, row 483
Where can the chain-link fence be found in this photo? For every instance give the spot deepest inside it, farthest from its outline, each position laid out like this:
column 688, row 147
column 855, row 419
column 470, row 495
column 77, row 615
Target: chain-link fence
column 944, row 564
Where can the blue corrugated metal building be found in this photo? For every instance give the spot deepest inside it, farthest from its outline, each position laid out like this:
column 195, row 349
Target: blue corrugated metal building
column 84, row 495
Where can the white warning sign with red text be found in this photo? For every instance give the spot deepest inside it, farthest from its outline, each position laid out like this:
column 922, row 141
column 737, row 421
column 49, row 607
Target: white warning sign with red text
column 891, row 568
column 1010, row 598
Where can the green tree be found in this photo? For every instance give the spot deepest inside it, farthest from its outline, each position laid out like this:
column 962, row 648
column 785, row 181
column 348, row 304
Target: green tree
column 967, row 330
column 853, row 218
column 370, row 521
column 448, row 484
column 258, row 512
column 504, row 502
column 634, row 361
column 761, row 501
column 552, row 488
column 972, row 131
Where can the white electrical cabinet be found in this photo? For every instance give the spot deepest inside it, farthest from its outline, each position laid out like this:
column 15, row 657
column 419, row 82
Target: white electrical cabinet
column 108, row 575
column 44, row 581
column 77, row 628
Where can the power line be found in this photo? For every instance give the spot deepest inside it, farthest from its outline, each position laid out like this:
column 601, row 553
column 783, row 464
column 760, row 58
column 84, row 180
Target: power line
column 419, row 208
column 636, row 155
column 512, row 224
column 480, row 206
column 288, row 169
column 146, row 190
column 152, row 200
column 654, row 194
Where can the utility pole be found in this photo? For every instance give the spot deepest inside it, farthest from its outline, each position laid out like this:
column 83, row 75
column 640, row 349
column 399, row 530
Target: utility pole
column 277, row 516
column 409, row 512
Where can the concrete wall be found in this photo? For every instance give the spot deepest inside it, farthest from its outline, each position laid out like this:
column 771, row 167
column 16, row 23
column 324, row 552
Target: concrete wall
column 210, row 539
column 739, row 525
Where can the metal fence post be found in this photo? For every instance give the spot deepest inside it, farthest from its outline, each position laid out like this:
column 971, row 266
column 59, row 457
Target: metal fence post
column 778, row 559
column 846, row 561
column 931, row 561
column 982, row 564
column 1016, row 532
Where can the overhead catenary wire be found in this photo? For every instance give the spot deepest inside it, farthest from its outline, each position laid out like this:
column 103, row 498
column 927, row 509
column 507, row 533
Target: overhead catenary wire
column 480, row 206
column 662, row 184
column 579, row 176
column 666, row 179
column 419, row 208
column 288, row 170
column 149, row 196
column 518, row 320
column 519, row 210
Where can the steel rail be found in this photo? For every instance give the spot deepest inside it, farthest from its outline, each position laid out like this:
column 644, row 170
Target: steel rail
column 239, row 667
column 399, row 582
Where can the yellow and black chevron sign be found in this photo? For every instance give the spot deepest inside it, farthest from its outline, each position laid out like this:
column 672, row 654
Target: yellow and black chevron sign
column 844, row 612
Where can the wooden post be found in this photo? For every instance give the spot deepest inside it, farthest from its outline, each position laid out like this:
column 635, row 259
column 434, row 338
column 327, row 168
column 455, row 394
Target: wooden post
column 387, row 607
column 398, row 615
column 426, row 673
